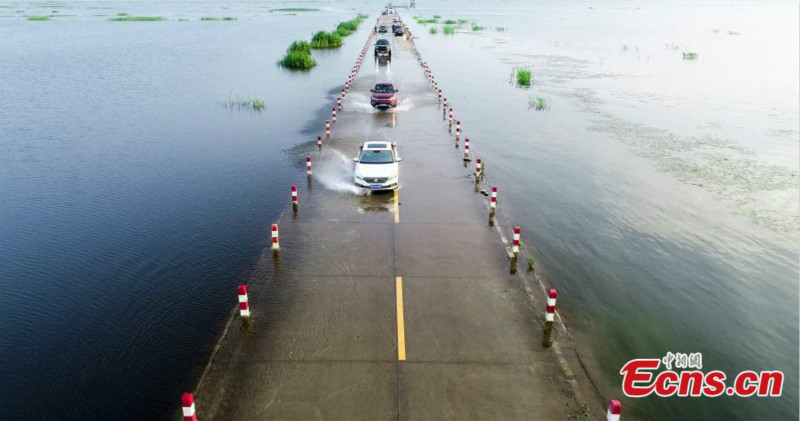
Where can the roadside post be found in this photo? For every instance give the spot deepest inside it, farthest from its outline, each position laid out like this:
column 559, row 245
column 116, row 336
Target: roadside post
column 549, row 317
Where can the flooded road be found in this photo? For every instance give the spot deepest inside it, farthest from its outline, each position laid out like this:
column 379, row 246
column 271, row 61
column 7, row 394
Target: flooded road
column 659, row 194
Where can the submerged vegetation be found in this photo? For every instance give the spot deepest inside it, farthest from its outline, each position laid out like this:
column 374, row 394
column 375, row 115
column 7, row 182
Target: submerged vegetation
column 298, row 56
column 524, row 77
column 211, row 18
column 244, row 103
column 448, row 29
column 295, row 9
column 477, row 28
column 538, row 103
column 434, row 31
column 689, row 55
column 137, row 19
column 323, row 40
column 500, row 29
column 39, row 18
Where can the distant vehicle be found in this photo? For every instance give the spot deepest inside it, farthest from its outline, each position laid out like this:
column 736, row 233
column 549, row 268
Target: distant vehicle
column 383, row 48
column 384, row 95
column 398, row 32
column 382, row 29
column 376, row 166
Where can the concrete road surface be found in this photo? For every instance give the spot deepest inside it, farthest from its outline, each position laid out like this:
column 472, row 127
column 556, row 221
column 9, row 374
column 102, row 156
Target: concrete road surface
column 396, row 305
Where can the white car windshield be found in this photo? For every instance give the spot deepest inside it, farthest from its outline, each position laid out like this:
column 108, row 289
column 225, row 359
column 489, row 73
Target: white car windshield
column 376, row 157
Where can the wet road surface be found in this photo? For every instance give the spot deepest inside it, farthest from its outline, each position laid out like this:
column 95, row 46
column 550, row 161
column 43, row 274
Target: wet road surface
column 395, row 305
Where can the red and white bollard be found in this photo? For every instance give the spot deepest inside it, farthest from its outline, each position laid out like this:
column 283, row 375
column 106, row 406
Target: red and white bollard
column 550, row 313
column 319, row 142
column 295, row 203
column 308, row 165
column 549, row 316
column 333, row 114
column 328, row 128
column 339, row 101
column 458, row 130
column 478, row 164
column 244, row 304
column 276, row 245
column 614, row 410
column 515, row 243
column 187, row 402
column 492, row 206
column 466, row 149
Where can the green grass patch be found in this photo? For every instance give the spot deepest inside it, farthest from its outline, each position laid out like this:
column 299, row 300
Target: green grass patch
column 462, row 21
column 137, row 19
column 244, row 103
column 538, row 103
column 325, row 40
column 298, row 60
column 298, row 56
column 449, row 30
column 531, row 264
column 216, row 19
column 450, row 22
column 39, row 18
column 477, row 28
column 122, row 14
column 301, row 46
column 437, row 16
column 524, row 77
column 295, row 9
column 427, row 21
column 434, row 31
column 690, row 55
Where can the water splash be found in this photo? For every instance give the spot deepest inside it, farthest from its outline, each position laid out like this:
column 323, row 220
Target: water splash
column 335, row 172
column 361, row 104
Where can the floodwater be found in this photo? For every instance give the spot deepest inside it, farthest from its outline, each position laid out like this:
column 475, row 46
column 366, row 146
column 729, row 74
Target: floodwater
column 658, row 194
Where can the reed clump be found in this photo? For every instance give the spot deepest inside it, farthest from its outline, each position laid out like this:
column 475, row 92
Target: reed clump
column 244, row 103
column 298, row 56
column 448, row 29
column 538, row 103
column 524, row 77
column 325, row 40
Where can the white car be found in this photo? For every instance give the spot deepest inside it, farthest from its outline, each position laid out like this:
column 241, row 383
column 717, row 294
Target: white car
column 376, row 166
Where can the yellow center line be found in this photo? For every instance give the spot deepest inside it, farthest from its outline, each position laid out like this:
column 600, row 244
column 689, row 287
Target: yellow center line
column 401, row 330
column 396, row 207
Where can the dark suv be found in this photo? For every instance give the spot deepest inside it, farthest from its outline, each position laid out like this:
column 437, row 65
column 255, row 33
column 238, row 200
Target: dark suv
column 383, row 49
column 384, row 95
